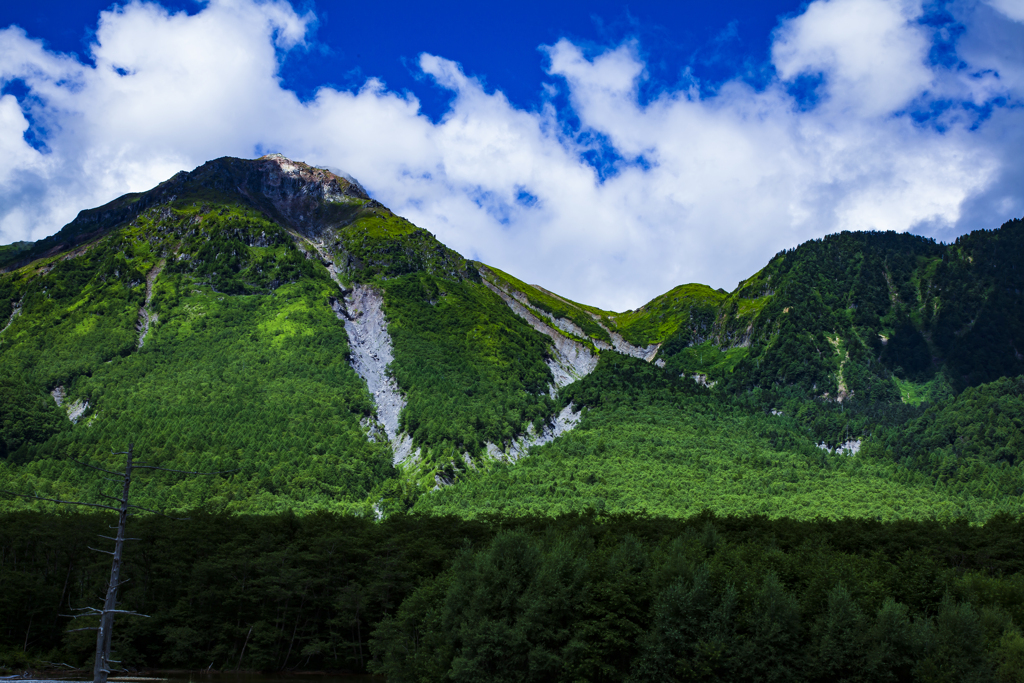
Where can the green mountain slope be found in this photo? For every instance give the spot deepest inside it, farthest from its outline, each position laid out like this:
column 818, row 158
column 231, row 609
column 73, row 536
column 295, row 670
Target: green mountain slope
column 202, row 321
column 268, row 319
column 652, row 443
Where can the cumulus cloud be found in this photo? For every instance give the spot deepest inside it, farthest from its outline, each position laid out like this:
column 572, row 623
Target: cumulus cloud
column 698, row 189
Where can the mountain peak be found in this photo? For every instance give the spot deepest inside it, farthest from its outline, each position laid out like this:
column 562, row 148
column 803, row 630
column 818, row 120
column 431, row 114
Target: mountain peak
column 328, row 208
column 331, row 185
column 307, row 199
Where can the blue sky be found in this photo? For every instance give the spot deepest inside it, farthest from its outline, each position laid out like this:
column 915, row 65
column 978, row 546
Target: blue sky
column 606, row 151
column 497, row 42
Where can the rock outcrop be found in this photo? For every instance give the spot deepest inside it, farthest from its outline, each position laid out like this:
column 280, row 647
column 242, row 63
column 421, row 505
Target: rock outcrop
column 75, row 409
column 850, row 448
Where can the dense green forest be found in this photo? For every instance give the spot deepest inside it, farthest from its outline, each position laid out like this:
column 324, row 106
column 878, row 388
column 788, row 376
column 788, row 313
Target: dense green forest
column 663, row 445
column 245, row 369
column 595, row 597
column 815, row 477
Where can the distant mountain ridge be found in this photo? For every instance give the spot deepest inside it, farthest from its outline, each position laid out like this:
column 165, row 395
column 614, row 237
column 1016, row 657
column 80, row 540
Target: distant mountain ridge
column 270, row 316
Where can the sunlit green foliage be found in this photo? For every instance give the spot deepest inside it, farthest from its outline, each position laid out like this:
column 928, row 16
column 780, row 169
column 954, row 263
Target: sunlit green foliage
column 555, row 305
column 244, row 368
column 473, row 371
column 682, row 316
column 973, row 445
column 661, row 445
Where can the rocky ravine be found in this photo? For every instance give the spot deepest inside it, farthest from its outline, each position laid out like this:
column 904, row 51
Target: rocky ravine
column 370, row 344
column 573, row 360
column 14, row 314
column 145, row 317
column 619, row 344
column 647, row 353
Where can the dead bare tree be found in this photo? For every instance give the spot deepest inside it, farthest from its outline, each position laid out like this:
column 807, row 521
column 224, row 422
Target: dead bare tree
column 101, row 666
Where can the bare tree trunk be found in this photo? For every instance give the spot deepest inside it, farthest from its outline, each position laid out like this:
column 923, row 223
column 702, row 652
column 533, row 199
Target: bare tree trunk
column 101, row 669
column 28, row 630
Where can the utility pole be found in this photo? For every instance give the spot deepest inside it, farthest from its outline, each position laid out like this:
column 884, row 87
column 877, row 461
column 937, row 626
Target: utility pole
column 101, row 665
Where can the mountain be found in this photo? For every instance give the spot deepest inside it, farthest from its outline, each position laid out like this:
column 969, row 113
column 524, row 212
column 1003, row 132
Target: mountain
column 268, row 319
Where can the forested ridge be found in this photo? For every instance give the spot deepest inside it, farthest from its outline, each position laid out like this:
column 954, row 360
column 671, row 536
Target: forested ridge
column 863, row 383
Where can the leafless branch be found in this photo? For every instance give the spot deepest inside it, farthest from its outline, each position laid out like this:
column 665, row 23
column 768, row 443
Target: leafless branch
column 62, row 502
column 111, row 538
column 103, row 495
column 157, row 512
column 93, row 612
column 165, row 469
column 98, row 550
column 89, row 612
column 85, row 464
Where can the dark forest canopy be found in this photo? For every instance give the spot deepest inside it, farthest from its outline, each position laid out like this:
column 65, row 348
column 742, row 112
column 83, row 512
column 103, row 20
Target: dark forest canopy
column 594, row 597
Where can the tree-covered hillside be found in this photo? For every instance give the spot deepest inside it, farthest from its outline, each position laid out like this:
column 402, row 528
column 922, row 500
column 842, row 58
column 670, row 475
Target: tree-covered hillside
column 204, row 322
column 269, row 320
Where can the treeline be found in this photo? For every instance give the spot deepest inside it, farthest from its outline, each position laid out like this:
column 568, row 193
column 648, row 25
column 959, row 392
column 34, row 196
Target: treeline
column 593, row 597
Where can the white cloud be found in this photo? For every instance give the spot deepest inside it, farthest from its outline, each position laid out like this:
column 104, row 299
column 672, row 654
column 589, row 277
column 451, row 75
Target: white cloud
column 870, row 51
column 1011, row 8
column 708, row 190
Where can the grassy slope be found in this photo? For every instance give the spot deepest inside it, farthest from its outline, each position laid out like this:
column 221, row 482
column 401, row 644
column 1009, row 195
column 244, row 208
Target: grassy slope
column 660, row 318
